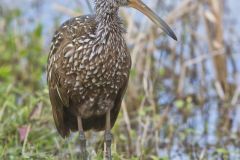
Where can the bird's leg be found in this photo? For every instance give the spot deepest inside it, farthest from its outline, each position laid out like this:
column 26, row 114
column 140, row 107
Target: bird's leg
column 108, row 137
column 83, row 151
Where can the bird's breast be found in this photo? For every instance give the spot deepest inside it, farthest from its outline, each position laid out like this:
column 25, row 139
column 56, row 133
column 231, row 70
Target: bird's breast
column 95, row 83
column 91, row 67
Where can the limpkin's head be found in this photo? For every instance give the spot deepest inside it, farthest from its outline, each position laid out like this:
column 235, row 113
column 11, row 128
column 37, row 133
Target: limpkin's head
column 139, row 5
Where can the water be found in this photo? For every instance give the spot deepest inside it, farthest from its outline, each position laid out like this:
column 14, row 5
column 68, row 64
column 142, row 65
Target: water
column 201, row 127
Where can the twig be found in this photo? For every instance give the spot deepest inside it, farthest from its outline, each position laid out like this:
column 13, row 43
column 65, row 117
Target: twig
column 65, row 10
column 89, row 6
column 192, row 62
column 219, row 90
column 128, row 124
column 235, row 96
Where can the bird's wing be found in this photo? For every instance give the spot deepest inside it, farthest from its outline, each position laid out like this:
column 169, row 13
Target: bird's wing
column 117, row 103
column 59, row 100
column 58, row 93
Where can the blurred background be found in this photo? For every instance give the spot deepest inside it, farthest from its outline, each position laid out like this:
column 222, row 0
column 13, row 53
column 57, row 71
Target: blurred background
column 182, row 101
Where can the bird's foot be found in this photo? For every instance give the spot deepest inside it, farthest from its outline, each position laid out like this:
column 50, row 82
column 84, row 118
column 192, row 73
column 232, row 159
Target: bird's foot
column 107, row 146
column 83, row 151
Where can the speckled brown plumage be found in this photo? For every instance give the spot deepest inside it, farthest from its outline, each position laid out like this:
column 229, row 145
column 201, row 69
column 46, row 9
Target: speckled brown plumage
column 88, row 71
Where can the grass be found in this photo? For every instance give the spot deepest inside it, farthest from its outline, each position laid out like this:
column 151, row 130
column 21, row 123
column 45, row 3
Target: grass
column 155, row 122
column 33, row 111
column 27, row 129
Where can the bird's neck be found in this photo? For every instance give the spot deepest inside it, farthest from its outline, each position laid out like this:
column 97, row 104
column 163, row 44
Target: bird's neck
column 108, row 20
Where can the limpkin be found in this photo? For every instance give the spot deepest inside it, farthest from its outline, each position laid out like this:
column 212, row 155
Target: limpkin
column 88, row 70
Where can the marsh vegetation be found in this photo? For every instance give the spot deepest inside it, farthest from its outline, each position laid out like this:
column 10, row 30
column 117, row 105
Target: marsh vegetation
column 182, row 101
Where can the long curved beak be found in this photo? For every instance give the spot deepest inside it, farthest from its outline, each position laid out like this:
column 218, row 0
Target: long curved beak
column 139, row 5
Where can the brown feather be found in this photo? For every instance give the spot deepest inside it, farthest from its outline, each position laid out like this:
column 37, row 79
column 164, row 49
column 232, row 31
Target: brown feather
column 98, row 122
column 87, row 75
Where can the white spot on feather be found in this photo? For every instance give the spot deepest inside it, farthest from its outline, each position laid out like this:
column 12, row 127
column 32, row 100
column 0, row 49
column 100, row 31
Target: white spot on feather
column 69, row 53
